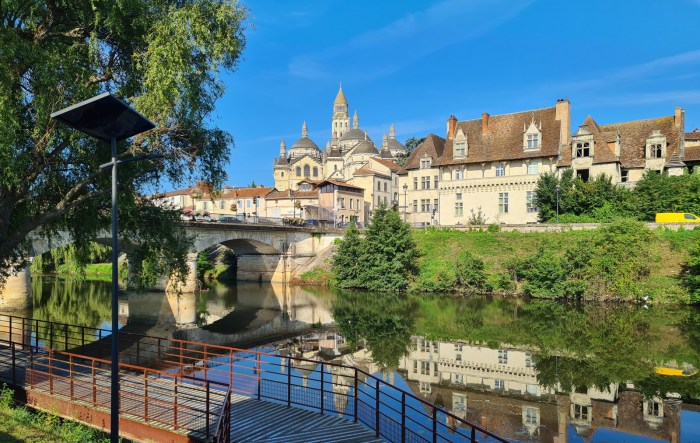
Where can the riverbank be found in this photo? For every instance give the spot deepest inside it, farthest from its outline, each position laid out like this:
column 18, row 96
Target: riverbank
column 667, row 251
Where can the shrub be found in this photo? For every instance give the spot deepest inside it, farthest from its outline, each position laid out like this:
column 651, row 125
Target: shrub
column 469, row 272
column 690, row 274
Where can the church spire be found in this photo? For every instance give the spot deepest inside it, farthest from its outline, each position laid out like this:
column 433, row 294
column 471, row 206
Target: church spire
column 304, row 131
column 355, row 121
column 392, row 131
column 385, row 141
column 283, row 150
column 340, row 98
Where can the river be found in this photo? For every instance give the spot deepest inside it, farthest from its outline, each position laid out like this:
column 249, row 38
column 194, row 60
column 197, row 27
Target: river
column 538, row 371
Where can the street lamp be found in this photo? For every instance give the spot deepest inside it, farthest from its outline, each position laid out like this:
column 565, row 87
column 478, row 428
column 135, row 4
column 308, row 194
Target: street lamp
column 405, row 204
column 109, row 119
column 558, row 188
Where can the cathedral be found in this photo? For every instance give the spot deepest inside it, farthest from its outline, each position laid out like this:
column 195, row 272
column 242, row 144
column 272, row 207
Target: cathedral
column 348, row 149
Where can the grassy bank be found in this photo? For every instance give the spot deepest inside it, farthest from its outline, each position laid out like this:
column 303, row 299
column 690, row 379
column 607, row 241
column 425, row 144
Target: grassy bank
column 498, row 250
column 20, row 424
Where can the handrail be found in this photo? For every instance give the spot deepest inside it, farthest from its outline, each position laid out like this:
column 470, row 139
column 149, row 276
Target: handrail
column 386, row 409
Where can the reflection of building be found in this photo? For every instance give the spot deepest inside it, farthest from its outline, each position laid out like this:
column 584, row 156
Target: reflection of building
column 498, row 390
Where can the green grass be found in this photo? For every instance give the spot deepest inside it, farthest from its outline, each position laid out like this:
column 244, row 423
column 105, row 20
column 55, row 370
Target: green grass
column 20, row 424
column 316, row 277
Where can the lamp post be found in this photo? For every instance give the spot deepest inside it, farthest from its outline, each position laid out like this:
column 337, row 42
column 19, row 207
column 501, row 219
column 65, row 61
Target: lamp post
column 405, row 204
column 110, row 120
column 558, row 188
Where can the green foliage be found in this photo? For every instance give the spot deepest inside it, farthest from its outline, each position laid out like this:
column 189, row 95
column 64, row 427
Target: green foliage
column 612, row 263
column 690, row 274
column 383, row 261
column 385, row 323
column 411, row 145
column 469, row 271
column 164, row 58
column 661, row 193
column 203, row 264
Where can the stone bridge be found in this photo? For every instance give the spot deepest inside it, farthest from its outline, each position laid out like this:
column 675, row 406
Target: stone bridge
column 264, row 252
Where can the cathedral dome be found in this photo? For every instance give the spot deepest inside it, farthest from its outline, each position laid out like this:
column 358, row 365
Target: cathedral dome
column 395, row 145
column 365, row 147
column 304, row 146
column 355, row 134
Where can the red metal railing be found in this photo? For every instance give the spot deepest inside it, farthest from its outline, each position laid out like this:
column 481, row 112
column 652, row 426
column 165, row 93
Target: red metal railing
column 329, row 388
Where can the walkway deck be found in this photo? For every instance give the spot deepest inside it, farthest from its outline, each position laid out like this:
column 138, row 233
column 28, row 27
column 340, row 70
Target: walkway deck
column 148, row 400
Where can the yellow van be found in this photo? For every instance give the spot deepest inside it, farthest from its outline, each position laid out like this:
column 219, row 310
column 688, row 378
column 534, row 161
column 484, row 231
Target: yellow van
column 676, row 217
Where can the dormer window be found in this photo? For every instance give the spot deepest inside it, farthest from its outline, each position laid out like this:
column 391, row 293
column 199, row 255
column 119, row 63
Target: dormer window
column 500, row 170
column 460, row 144
column 532, row 135
column 425, row 163
column 656, row 145
column 583, row 149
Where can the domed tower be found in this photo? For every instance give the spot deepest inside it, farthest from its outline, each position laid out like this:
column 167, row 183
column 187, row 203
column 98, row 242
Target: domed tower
column 281, row 169
column 341, row 119
column 395, row 146
column 304, row 146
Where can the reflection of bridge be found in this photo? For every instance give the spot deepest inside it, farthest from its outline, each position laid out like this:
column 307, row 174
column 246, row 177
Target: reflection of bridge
column 184, row 391
column 264, row 253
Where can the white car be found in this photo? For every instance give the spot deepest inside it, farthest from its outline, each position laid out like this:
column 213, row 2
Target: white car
column 204, row 218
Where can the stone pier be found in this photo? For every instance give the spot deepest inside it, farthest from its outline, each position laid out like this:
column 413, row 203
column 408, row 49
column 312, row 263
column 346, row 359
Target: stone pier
column 16, row 294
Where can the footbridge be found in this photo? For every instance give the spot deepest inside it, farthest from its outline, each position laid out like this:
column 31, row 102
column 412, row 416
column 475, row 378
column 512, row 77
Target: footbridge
column 264, row 253
column 182, row 391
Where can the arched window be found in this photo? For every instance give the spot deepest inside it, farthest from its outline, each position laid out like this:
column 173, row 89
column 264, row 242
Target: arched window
column 282, row 173
column 298, row 171
column 307, row 171
column 315, row 171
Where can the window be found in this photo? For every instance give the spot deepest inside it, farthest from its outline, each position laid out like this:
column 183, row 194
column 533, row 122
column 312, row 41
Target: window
column 415, row 182
column 656, row 150
column 425, row 205
column 350, row 203
column 503, row 202
column 425, row 182
column 459, row 401
column 425, row 368
column 424, row 387
column 502, row 356
column 247, row 202
column 531, row 389
column 533, row 141
column 204, row 206
column 580, row 412
column 221, row 204
column 342, row 202
column 500, row 385
column 458, row 174
column 425, row 163
column 435, row 205
column 307, row 170
column 458, row 348
column 500, row 170
column 532, row 416
column 459, row 209
column 583, row 149
column 583, row 174
column 384, row 186
column 459, row 196
column 357, row 203
column 315, row 171
column 379, row 186
column 530, row 201
column 458, row 357
column 528, row 360
column 415, row 366
column 653, row 408
column 624, row 175
column 298, row 171
column 532, row 168
column 415, row 205
column 460, row 149
column 385, row 200
column 689, row 217
column 379, row 201
column 459, row 378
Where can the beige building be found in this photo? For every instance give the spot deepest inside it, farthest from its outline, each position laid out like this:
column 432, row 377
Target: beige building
column 489, row 165
column 380, row 181
column 344, row 201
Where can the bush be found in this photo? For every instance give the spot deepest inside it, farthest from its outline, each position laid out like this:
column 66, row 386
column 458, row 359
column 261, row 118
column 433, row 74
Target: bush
column 690, row 274
column 469, row 272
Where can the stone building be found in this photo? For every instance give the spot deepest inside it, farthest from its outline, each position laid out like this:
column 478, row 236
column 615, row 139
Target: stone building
column 348, row 150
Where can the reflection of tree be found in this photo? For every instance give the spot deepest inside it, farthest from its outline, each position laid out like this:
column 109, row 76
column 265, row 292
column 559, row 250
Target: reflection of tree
column 385, row 321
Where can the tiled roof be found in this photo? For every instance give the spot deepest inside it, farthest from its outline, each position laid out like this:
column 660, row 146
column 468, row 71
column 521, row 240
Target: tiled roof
column 366, row 170
column 388, row 163
column 289, row 194
column 632, row 135
column 337, row 183
column 692, row 153
column 246, row 192
column 695, row 135
column 433, row 146
column 503, row 139
column 177, row 192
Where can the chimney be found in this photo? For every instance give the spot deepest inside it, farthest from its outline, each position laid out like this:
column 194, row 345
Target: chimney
column 562, row 114
column 451, row 125
column 679, row 118
column 485, row 123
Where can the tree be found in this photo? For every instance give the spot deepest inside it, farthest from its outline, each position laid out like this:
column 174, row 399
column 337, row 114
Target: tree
column 411, row 145
column 164, row 58
column 348, row 260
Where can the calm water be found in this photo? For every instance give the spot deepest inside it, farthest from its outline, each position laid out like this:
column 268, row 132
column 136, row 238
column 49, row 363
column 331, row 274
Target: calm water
column 536, row 371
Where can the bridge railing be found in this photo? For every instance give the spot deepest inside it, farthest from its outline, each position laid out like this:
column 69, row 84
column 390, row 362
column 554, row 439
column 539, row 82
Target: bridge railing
column 393, row 414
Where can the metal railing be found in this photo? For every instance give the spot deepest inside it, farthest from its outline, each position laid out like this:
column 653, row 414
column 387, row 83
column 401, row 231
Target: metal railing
column 393, row 414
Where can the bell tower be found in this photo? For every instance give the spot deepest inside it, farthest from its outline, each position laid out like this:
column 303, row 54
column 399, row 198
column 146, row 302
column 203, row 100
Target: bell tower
column 340, row 123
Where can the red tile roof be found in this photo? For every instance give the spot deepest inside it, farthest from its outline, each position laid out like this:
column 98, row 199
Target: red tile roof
column 388, row 163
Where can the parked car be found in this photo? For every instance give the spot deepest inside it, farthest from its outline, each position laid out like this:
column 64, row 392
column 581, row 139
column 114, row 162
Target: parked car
column 204, row 218
column 312, row 223
column 676, row 217
column 229, row 219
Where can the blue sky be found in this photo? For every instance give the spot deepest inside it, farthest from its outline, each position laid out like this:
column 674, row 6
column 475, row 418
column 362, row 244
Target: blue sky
column 414, row 63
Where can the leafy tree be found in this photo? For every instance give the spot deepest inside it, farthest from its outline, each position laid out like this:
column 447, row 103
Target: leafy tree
column 391, row 254
column 660, row 193
column 348, row 260
column 163, row 57
column 411, row 145
column 690, row 274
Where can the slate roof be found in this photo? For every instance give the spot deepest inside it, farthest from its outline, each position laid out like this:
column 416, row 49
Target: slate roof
column 288, row 194
column 337, row 183
column 503, row 139
column 433, row 145
column 365, row 147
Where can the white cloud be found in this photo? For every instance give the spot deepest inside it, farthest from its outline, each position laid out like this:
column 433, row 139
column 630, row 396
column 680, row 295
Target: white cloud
column 382, row 51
